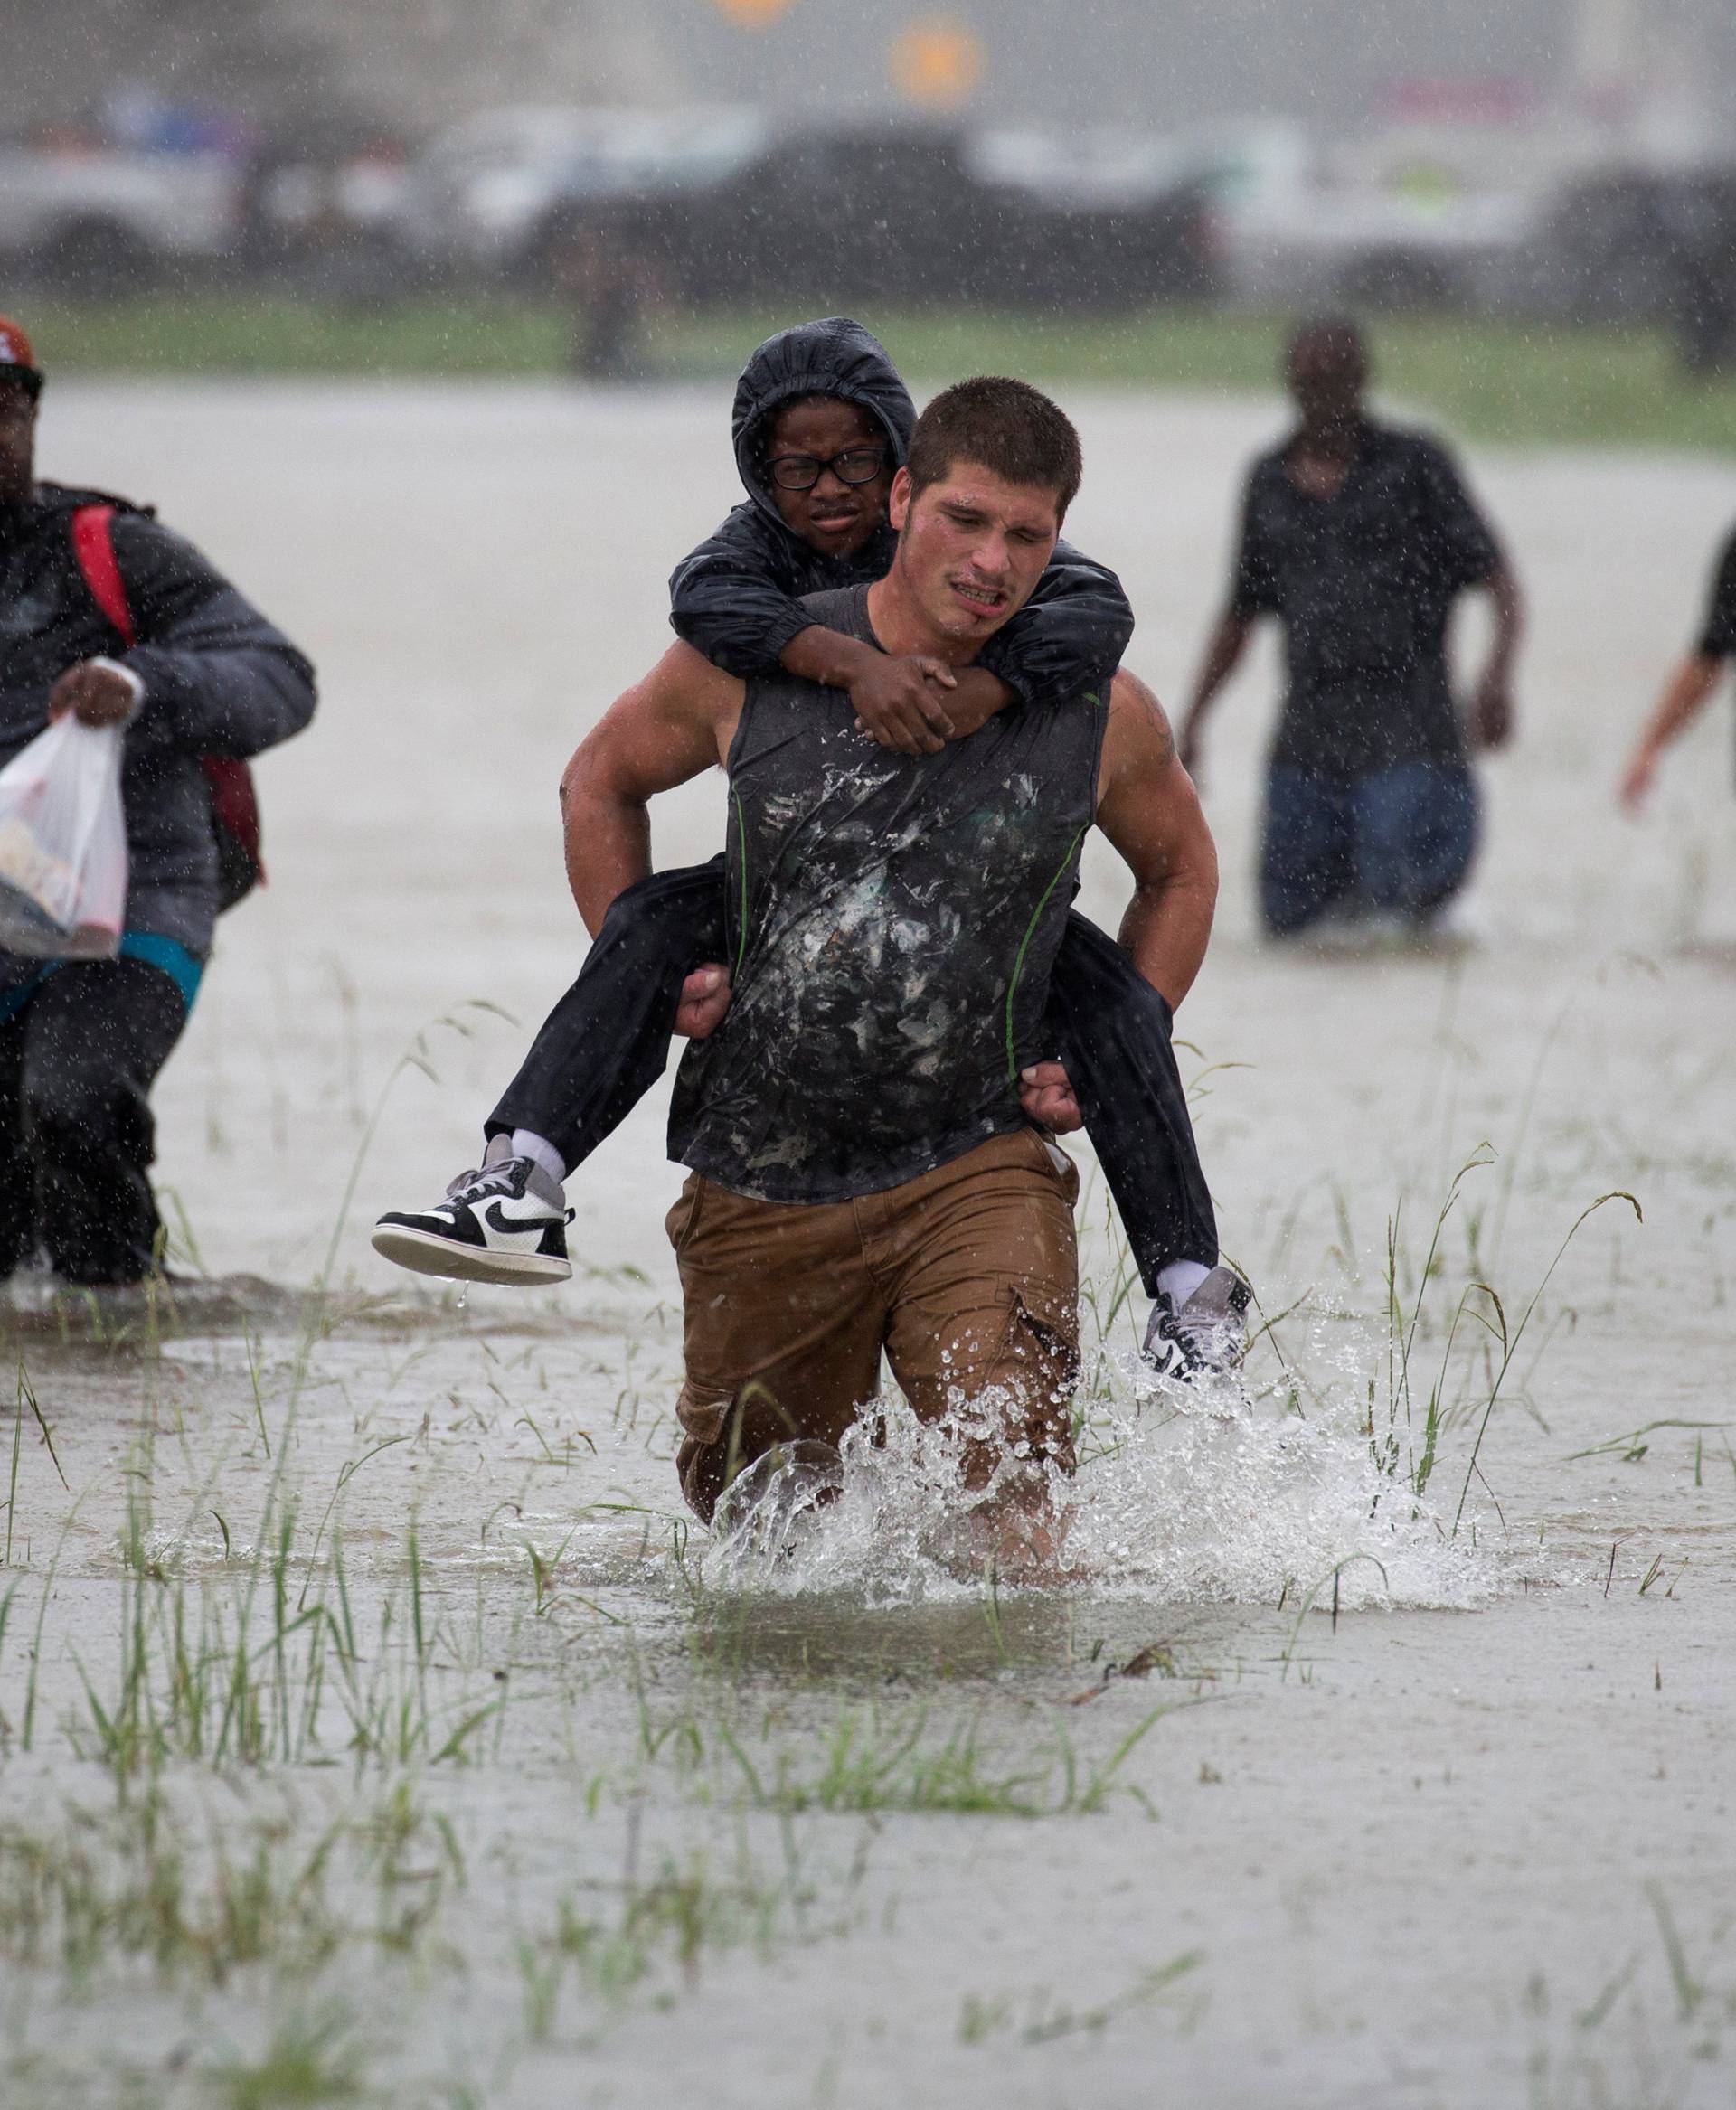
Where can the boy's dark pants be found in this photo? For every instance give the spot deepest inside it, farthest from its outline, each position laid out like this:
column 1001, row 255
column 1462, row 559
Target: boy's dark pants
column 606, row 1042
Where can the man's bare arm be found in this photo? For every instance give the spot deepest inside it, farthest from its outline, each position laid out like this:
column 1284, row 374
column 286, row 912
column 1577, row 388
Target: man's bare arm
column 1492, row 708
column 664, row 730
column 1147, row 807
column 1690, row 686
column 1223, row 651
column 1149, row 810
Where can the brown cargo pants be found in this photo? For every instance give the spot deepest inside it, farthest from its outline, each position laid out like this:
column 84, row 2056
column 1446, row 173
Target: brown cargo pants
column 967, row 1277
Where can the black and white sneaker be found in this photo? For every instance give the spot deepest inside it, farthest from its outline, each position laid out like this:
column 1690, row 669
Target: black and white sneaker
column 1206, row 1337
column 504, row 1223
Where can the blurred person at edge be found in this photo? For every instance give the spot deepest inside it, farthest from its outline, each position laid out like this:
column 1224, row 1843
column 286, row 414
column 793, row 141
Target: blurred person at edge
column 1689, row 688
column 1359, row 538
column 81, row 1043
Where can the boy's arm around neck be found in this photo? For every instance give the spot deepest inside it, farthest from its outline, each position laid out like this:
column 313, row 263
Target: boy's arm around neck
column 1064, row 644
column 734, row 597
column 1068, row 639
column 735, row 601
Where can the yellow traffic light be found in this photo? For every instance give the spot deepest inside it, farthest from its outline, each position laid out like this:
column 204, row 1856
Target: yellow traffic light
column 937, row 62
column 754, row 13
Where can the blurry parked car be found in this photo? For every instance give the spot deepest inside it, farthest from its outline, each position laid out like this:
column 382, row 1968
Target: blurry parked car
column 495, row 191
column 1378, row 249
column 908, row 212
column 1633, row 245
column 1407, row 215
column 325, row 211
column 1110, row 217
column 709, row 204
column 81, row 217
column 887, row 212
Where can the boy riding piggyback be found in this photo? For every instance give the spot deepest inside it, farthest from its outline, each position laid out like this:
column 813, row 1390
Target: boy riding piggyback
column 821, row 422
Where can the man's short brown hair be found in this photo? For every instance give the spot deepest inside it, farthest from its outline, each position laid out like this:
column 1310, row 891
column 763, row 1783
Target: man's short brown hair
column 1006, row 427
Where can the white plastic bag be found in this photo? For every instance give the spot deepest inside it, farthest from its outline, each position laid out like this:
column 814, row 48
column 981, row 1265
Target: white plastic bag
column 63, row 844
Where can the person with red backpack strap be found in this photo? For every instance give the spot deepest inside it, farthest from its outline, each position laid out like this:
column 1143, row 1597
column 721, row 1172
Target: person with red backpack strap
column 107, row 615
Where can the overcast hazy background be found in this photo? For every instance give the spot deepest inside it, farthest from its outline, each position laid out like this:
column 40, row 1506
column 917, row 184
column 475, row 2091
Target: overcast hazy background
column 1163, row 62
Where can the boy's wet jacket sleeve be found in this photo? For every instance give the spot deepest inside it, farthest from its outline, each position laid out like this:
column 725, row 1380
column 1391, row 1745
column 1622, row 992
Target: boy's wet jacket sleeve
column 219, row 679
column 733, row 599
column 1069, row 637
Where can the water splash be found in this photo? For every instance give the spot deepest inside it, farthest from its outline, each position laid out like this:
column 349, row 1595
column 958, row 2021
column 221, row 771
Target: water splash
column 1180, row 1495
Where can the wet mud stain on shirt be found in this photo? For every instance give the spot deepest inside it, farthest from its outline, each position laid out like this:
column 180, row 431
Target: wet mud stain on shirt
column 896, row 920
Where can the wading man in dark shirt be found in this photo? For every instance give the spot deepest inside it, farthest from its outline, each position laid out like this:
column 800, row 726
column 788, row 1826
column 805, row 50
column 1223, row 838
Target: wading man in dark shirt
column 1690, row 687
column 1359, row 538
column 865, row 1177
column 107, row 615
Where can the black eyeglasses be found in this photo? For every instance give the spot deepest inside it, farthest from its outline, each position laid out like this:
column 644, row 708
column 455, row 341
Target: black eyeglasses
column 801, row 472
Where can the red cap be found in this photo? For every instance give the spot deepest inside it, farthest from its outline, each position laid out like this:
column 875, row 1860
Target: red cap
column 17, row 353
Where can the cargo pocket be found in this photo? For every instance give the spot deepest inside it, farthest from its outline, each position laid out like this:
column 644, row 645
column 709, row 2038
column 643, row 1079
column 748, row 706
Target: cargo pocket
column 703, row 1413
column 1043, row 1346
column 683, row 1219
column 703, row 1410
column 1051, row 1322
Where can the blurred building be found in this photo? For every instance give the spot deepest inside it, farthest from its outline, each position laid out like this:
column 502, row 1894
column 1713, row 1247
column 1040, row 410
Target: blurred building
column 1328, row 64
column 300, row 65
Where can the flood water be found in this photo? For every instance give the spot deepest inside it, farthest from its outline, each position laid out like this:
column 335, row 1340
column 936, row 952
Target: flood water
column 374, row 1726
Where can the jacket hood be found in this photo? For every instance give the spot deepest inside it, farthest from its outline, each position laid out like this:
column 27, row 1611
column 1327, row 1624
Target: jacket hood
column 834, row 357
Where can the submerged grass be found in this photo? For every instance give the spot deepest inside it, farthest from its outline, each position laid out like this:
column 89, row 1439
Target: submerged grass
column 139, row 1884
column 618, row 1939
column 311, row 2060
column 207, row 1674
column 1039, row 2018
column 1404, row 1432
column 870, row 1761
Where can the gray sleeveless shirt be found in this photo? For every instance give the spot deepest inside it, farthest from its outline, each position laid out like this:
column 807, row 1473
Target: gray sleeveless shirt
column 893, row 919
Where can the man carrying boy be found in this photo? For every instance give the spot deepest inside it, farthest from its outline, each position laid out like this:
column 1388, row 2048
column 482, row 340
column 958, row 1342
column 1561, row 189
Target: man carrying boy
column 821, row 422
column 865, row 1176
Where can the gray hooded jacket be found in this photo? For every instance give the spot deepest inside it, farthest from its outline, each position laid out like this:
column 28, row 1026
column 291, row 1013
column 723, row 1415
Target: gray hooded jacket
column 219, row 680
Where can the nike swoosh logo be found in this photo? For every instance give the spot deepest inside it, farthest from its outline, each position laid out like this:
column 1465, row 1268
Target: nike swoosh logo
column 519, row 1229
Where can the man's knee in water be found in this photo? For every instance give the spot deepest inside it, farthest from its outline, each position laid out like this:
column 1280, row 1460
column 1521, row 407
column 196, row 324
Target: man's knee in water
column 1304, row 866
column 1416, row 833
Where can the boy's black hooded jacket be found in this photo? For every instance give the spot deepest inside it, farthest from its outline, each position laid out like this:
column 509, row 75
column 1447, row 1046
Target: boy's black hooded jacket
column 736, row 597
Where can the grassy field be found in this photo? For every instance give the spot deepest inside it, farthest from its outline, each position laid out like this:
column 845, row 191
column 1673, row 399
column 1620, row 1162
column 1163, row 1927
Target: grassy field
column 1505, row 382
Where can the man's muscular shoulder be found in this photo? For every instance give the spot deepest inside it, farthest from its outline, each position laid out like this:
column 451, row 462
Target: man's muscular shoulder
column 684, row 693
column 684, row 680
column 1138, row 725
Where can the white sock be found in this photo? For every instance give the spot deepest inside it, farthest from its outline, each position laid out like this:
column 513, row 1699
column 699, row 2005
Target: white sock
column 1177, row 1282
column 527, row 1143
